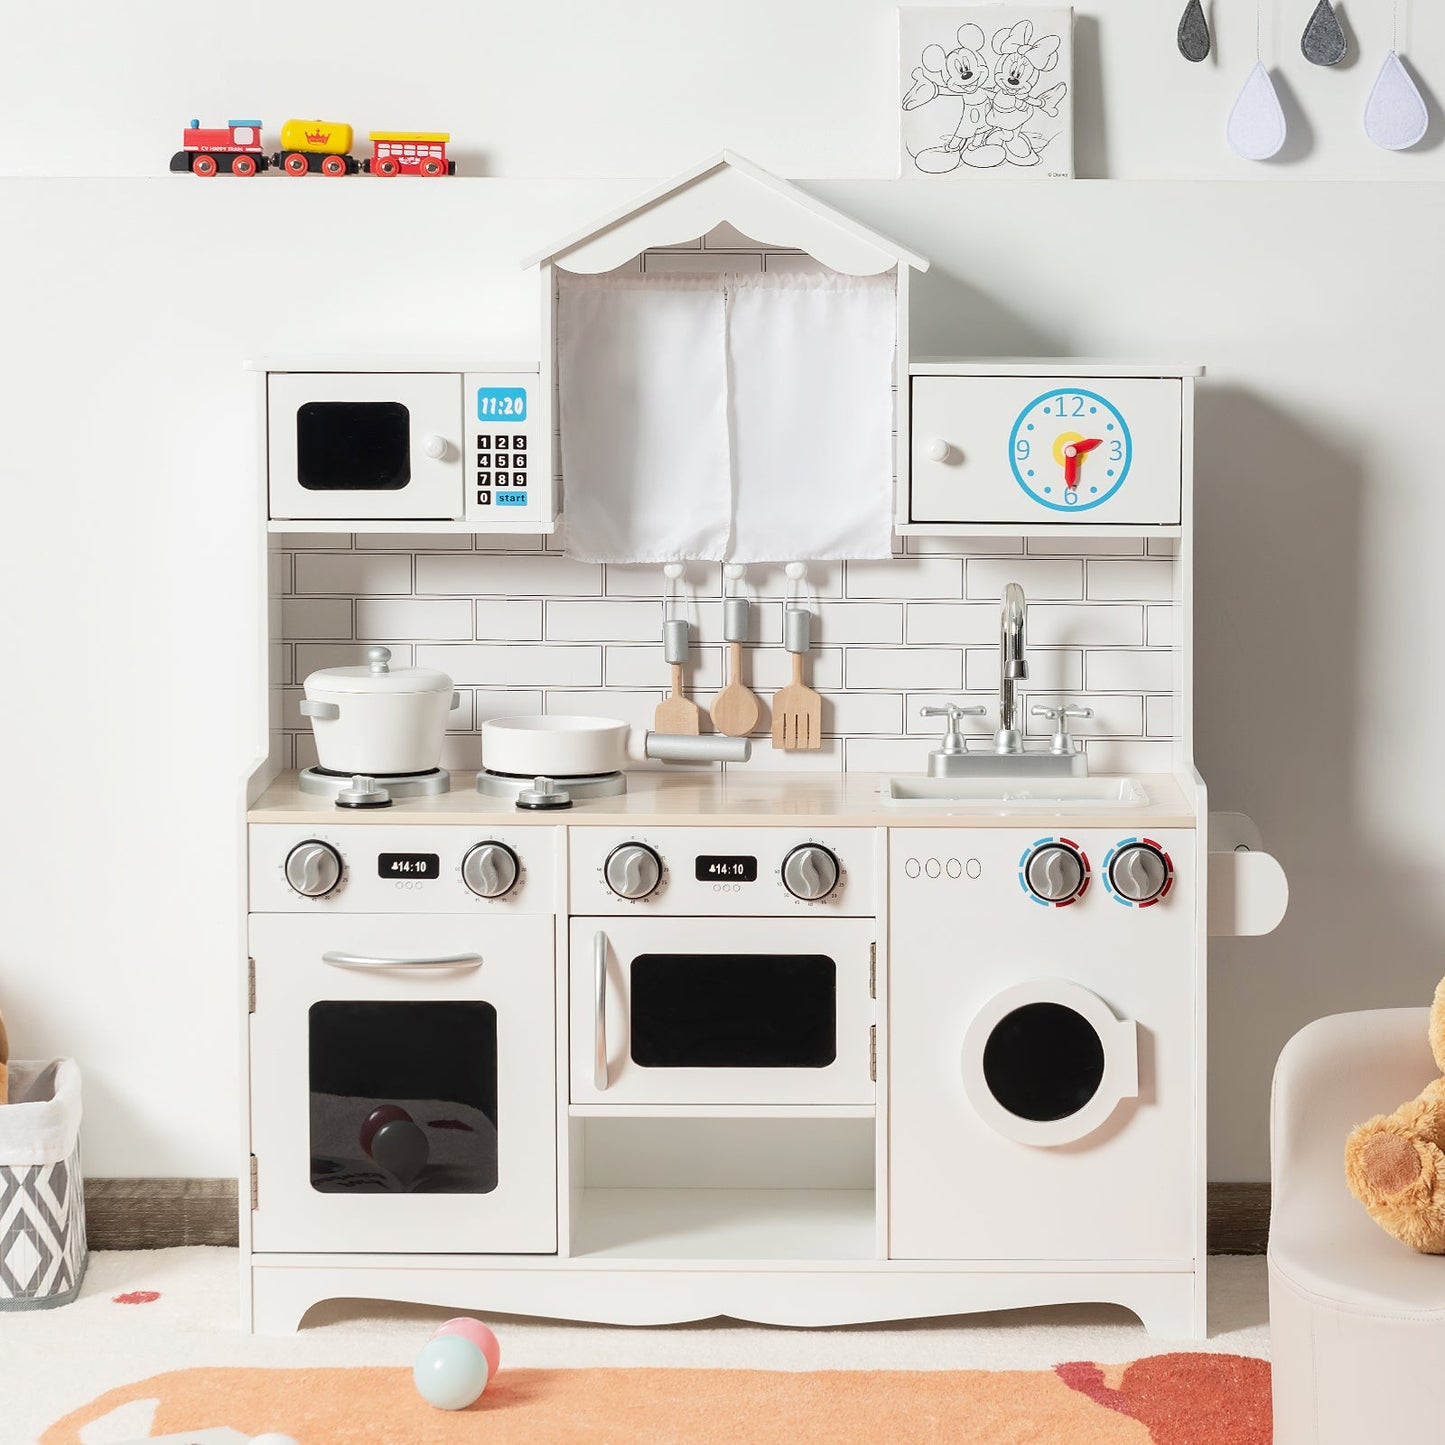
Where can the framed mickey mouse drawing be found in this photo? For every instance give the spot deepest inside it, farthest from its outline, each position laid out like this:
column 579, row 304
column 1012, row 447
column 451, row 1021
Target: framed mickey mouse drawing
column 986, row 90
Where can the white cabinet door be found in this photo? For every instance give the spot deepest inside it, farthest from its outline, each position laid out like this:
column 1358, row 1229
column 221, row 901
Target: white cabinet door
column 736, row 1011
column 365, row 446
column 403, row 1087
column 996, row 449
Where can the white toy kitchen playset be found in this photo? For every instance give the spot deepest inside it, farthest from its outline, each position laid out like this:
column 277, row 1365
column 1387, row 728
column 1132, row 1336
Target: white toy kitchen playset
column 910, row 1022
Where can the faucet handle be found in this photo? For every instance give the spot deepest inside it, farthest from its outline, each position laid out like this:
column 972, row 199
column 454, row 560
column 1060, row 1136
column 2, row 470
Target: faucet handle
column 953, row 740
column 952, row 711
column 1062, row 744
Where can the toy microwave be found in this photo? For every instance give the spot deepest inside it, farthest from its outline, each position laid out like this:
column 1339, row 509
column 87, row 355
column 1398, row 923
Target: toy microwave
column 461, row 446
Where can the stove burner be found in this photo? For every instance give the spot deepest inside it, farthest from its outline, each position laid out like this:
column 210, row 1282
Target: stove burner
column 329, row 783
column 588, row 785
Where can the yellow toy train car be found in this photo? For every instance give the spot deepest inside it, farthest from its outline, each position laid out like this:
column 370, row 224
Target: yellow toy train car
column 315, row 145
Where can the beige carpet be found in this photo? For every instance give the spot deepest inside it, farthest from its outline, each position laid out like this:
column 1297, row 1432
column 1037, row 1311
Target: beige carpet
column 56, row 1362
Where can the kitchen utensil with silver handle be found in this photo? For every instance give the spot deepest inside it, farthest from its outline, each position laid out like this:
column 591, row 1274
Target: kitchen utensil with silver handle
column 682, row 748
column 599, row 987
column 676, row 713
column 362, row 960
column 797, row 708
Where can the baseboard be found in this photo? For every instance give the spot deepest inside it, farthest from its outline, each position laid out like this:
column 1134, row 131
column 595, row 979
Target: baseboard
column 162, row 1213
column 159, row 1213
column 1238, row 1218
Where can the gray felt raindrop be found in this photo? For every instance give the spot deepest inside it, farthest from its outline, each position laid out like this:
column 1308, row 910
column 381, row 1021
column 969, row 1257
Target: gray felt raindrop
column 1324, row 42
column 1194, row 32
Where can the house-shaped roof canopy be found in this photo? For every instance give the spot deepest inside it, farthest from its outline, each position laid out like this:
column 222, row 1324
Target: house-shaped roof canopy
column 728, row 188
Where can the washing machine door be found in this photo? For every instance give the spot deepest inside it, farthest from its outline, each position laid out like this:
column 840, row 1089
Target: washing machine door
column 1047, row 1062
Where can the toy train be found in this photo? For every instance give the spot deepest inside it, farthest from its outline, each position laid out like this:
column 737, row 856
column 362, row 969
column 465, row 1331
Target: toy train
column 311, row 147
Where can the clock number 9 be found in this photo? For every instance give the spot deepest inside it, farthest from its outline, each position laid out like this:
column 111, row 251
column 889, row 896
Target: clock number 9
column 1021, row 449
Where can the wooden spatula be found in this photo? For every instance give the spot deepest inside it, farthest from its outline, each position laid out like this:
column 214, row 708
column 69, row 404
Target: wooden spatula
column 735, row 710
column 797, row 709
column 676, row 713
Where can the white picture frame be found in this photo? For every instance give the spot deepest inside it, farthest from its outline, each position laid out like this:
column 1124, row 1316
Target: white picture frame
column 986, row 90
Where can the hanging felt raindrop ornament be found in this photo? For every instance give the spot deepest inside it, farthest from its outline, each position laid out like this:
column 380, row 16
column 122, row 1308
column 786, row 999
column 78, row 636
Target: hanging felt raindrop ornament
column 1396, row 116
column 1193, row 36
column 1257, row 128
column 1324, row 41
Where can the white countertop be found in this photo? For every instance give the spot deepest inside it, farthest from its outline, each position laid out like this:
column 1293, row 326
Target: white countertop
column 697, row 799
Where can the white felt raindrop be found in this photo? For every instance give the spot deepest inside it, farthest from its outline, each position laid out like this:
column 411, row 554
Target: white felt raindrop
column 1257, row 126
column 1396, row 116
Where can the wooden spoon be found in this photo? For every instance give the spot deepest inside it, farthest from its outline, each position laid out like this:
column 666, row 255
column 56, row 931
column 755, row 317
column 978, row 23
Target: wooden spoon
column 735, row 710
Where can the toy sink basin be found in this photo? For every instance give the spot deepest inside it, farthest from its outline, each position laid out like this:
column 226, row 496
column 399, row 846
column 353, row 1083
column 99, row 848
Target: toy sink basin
column 1016, row 795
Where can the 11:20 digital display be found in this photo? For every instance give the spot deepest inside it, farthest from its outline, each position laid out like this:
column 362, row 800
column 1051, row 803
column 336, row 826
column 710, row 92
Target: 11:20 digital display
column 726, row 868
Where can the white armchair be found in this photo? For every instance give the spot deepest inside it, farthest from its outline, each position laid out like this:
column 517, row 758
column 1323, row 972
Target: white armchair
column 1357, row 1320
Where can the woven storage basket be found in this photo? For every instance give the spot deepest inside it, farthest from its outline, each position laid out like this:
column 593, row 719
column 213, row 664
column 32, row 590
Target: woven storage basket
column 42, row 1205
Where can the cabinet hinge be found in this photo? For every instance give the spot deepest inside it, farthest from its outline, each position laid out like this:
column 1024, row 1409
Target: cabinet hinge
column 255, row 1188
column 872, row 1054
column 250, row 985
column 873, row 970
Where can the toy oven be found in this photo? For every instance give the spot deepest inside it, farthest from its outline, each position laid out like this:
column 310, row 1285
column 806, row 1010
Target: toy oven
column 722, row 1011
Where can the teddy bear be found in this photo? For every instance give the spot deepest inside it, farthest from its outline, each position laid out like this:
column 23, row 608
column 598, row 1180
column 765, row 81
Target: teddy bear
column 1394, row 1163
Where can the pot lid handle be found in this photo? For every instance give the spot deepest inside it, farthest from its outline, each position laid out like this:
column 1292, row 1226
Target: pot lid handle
column 379, row 658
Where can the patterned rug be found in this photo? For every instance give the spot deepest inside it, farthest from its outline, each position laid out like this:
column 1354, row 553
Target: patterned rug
column 1179, row 1399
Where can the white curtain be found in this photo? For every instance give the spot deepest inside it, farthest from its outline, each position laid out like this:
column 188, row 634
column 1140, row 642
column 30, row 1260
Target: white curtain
column 739, row 418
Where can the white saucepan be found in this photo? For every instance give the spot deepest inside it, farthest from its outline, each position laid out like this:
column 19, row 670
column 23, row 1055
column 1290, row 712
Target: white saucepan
column 377, row 719
column 555, row 746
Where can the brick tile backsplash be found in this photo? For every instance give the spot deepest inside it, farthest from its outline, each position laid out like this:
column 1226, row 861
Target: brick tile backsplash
column 524, row 629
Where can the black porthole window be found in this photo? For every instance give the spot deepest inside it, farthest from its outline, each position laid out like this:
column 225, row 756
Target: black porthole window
column 1043, row 1062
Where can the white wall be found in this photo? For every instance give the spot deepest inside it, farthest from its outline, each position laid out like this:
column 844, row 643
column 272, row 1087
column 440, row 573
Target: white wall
column 127, row 458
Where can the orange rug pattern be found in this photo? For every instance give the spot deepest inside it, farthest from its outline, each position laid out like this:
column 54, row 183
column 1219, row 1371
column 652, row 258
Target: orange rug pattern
column 1179, row 1399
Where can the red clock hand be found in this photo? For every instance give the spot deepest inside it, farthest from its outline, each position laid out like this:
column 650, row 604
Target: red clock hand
column 1072, row 453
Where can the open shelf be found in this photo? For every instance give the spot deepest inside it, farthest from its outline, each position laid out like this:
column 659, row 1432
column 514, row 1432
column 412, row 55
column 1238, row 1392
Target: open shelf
column 740, row 1224
column 722, row 1111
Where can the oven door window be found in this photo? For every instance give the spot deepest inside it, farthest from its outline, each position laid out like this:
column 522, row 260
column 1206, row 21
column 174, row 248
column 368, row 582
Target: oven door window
column 353, row 446
column 403, row 1098
column 733, row 1011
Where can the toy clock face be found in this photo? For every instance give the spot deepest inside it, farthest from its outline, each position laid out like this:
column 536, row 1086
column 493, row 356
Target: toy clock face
column 1070, row 449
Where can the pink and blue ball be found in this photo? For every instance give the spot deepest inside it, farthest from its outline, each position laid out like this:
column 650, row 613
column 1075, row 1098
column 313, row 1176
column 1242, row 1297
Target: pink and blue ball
column 479, row 1335
column 450, row 1372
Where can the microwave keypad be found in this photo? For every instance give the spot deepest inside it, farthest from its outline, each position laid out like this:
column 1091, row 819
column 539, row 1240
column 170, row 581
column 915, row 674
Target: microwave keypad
column 501, row 463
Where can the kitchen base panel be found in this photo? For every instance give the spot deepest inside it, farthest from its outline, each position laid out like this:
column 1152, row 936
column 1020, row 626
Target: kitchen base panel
column 1168, row 1298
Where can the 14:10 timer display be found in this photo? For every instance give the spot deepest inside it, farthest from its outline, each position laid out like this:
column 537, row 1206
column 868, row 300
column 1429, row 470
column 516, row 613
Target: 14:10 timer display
column 726, row 868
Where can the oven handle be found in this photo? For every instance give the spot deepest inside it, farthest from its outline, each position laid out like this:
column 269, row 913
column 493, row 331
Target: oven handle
column 599, row 1032
column 362, row 960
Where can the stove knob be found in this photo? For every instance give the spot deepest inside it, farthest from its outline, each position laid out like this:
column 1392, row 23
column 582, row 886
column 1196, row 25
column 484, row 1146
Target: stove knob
column 633, row 871
column 810, row 872
column 313, row 868
column 490, row 869
column 1139, row 873
column 1055, row 873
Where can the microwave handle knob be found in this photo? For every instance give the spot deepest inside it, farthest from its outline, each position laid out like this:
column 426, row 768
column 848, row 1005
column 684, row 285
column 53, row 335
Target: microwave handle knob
column 434, row 446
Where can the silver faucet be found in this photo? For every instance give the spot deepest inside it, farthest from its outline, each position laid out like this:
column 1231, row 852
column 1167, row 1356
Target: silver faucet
column 1008, row 758
column 1012, row 667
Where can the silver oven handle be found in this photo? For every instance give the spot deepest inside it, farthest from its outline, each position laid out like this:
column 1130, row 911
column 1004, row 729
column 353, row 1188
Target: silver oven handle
column 599, row 1032
column 362, row 960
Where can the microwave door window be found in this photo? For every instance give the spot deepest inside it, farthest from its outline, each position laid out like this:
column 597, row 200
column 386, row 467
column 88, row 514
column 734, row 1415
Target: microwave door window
column 733, row 1011
column 403, row 1098
column 353, row 446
